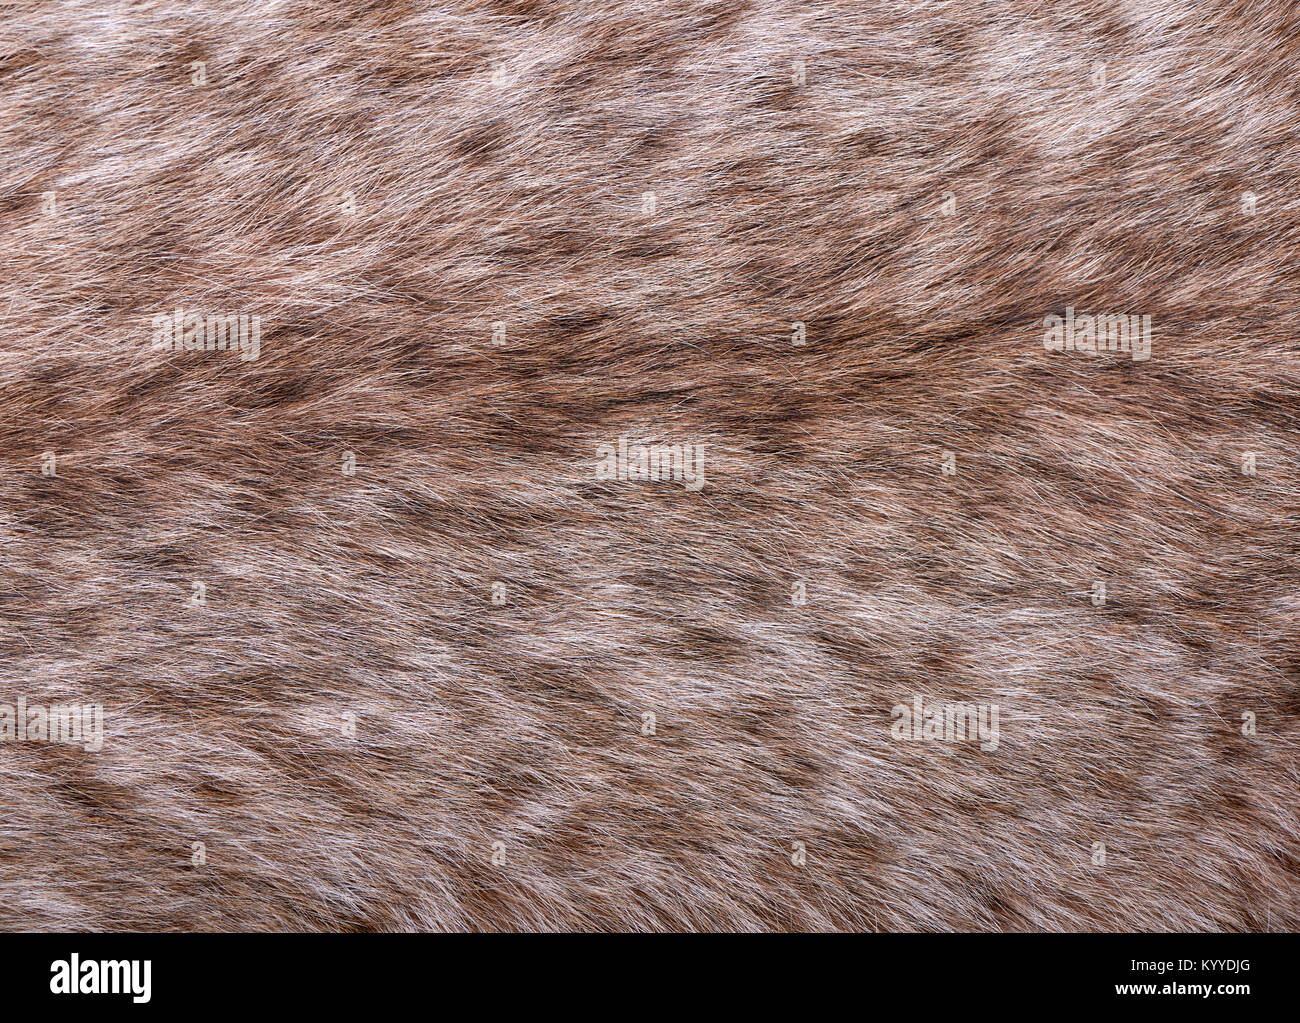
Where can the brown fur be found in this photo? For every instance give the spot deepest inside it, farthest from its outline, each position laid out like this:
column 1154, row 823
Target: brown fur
column 519, row 201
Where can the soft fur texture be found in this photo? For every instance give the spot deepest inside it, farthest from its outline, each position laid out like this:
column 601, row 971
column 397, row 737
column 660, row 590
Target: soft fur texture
column 498, row 154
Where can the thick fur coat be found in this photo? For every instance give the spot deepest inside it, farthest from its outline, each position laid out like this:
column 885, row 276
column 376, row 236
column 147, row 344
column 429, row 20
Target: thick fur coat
column 391, row 632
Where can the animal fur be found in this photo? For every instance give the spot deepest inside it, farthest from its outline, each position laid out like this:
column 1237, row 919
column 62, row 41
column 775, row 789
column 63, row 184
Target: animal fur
column 383, row 184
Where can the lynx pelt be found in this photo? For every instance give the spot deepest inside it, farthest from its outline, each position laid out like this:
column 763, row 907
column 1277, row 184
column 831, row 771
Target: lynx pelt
column 683, row 466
